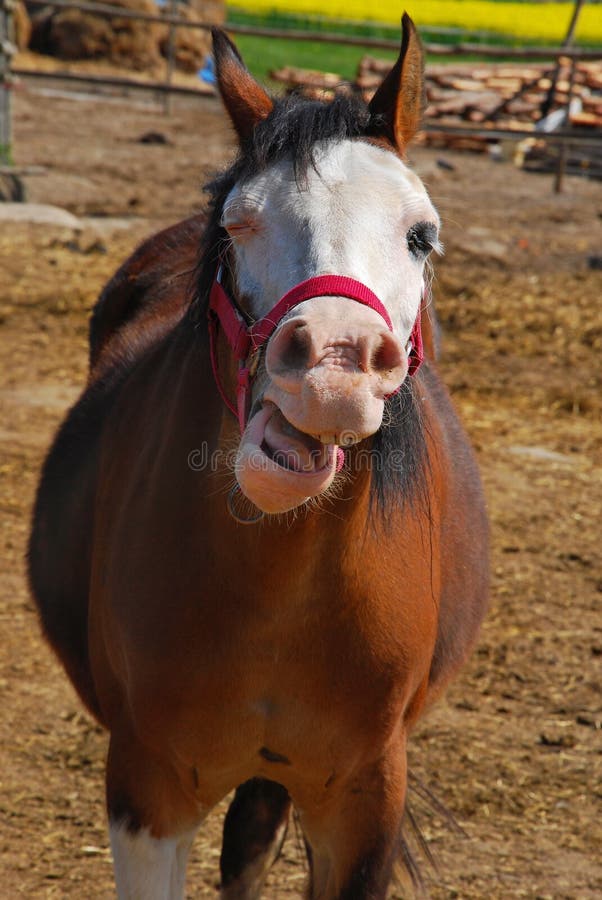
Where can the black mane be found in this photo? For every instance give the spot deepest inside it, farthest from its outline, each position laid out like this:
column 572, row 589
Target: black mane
column 292, row 131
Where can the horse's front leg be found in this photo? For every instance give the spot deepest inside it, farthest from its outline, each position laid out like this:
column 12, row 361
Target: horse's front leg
column 355, row 839
column 153, row 818
column 148, row 867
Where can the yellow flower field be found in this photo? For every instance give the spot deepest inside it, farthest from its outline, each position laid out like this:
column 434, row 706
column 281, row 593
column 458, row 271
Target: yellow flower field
column 534, row 21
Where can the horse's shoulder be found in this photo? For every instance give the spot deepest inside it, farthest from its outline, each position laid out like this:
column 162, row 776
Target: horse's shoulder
column 142, row 303
column 464, row 534
column 146, row 297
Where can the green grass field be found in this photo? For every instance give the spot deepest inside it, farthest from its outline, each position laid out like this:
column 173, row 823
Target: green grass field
column 264, row 55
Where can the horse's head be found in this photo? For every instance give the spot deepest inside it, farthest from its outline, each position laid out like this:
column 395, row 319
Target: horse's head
column 320, row 190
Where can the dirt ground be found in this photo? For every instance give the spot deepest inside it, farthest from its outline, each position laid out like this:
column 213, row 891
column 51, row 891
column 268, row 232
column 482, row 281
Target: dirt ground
column 514, row 749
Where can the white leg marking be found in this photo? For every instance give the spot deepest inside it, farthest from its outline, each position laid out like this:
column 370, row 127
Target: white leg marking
column 148, row 868
column 178, row 872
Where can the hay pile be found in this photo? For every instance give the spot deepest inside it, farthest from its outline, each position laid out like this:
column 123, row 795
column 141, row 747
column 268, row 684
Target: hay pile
column 22, row 25
column 71, row 34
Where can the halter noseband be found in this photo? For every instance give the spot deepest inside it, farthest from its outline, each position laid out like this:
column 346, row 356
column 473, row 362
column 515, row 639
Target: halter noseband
column 246, row 341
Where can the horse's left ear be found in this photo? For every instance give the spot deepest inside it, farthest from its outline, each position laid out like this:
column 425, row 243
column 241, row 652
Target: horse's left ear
column 397, row 106
column 245, row 100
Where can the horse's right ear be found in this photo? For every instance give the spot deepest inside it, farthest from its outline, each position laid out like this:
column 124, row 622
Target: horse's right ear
column 396, row 107
column 246, row 102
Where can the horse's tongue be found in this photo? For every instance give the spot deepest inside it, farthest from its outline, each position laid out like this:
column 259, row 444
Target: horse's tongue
column 291, row 448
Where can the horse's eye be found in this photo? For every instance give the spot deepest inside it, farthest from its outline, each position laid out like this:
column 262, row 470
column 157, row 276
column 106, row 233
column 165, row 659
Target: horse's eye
column 421, row 239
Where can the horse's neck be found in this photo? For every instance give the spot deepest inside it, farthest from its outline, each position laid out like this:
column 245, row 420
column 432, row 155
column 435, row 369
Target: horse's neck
column 346, row 520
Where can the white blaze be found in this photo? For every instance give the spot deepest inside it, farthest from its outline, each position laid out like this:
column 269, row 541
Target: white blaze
column 349, row 215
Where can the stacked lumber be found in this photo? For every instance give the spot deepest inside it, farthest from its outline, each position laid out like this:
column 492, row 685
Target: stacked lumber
column 482, row 95
column 310, row 82
column 502, row 95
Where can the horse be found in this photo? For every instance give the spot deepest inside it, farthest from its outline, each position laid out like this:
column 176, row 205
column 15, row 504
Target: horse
column 259, row 544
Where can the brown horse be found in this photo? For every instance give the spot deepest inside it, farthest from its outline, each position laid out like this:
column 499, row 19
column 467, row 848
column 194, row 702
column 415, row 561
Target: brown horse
column 259, row 546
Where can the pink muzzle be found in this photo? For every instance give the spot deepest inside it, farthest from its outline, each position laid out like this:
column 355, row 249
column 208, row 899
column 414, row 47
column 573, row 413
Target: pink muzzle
column 246, row 341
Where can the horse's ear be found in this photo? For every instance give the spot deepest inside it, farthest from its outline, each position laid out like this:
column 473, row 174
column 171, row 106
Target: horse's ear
column 397, row 106
column 245, row 100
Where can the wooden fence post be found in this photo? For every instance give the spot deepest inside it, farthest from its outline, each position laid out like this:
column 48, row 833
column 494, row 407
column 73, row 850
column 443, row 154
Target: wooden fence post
column 171, row 55
column 563, row 149
column 7, row 50
column 548, row 102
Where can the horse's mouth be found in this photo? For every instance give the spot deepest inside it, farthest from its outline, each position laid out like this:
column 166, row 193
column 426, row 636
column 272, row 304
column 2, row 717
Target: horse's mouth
column 292, row 449
column 280, row 467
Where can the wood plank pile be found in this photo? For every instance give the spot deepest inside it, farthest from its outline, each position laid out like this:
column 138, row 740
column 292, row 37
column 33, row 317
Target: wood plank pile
column 478, row 93
column 485, row 96
column 310, row 82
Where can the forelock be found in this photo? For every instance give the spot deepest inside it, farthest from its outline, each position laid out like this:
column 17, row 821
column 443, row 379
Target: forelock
column 296, row 127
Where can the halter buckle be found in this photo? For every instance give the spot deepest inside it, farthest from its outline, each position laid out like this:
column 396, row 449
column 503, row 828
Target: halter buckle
column 253, row 361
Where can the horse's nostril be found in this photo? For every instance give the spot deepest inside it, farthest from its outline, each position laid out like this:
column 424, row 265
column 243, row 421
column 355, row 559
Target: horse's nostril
column 386, row 355
column 298, row 348
column 291, row 347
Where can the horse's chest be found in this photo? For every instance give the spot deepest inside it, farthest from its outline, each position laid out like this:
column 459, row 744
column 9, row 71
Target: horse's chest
column 303, row 687
column 278, row 679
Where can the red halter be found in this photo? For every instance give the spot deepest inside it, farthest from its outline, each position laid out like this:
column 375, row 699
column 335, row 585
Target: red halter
column 246, row 341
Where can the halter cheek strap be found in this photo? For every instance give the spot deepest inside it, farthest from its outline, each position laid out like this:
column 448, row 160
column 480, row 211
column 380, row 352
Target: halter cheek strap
column 415, row 343
column 246, row 341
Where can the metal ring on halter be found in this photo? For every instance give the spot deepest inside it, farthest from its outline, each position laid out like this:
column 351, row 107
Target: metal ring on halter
column 237, row 518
